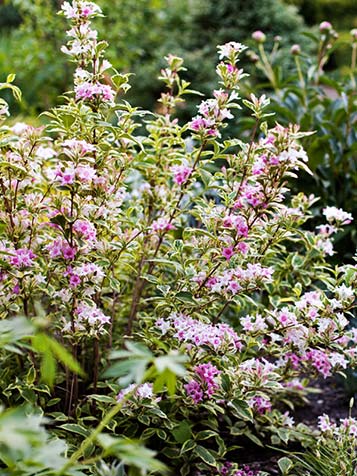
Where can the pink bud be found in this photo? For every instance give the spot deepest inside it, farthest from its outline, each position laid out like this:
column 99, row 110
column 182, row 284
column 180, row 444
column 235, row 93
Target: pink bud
column 325, row 27
column 259, row 36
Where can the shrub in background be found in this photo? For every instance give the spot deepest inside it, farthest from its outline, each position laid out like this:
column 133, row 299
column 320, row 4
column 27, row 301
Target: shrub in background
column 139, row 40
column 325, row 103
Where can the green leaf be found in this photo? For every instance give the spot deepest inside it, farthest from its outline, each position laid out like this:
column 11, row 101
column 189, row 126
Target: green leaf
column 241, row 409
column 205, row 455
column 63, row 355
column 48, row 368
column 182, row 432
column 10, row 77
column 131, row 452
column 74, row 428
column 285, row 464
column 189, row 445
column 102, row 398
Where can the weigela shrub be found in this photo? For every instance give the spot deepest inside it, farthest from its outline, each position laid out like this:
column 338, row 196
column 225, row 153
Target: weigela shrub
column 125, row 224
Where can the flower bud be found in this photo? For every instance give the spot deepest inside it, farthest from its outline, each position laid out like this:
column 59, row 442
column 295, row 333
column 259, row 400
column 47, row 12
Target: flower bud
column 295, row 50
column 277, row 38
column 253, row 57
column 354, row 34
column 325, row 27
column 259, row 36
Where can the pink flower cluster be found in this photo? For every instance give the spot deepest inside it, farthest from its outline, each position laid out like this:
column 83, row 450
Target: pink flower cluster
column 85, row 229
column 347, row 427
column 88, row 319
column 60, row 248
column 204, row 126
column 22, row 258
column 84, row 173
column 181, row 173
column 234, row 280
column 77, row 147
column 230, row 49
column 186, row 329
column 260, row 404
column 246, row 471
column 228, row 470
column 205, row 384
column 162, row 225
column 238, row 223
column 250, row 195
column 86, row 270
column 213, row 112
column 80, row 9
column 90, row 91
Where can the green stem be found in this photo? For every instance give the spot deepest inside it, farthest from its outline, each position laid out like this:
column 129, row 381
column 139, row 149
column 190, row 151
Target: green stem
column 268, row 69
column 353, row 64
column 95, row 433
column 301, row 79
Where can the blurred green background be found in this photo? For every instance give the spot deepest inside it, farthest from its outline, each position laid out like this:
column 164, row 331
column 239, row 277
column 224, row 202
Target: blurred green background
column 142, row 32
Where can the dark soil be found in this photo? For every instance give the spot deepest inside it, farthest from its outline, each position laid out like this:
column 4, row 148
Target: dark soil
column 331, row 398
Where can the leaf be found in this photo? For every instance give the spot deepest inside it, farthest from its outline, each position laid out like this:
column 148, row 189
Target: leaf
column 182, row 432
column 130, row 452
column 74, row 428
column 10, row 77
column 101, row 398
column 285, row 464
column 205, row 455
column 241, row 409
column 63, row 355
column 48, row 368
column 189, row 445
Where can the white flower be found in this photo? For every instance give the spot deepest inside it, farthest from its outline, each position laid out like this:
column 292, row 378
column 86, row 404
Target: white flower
column 337, row 214
column 345, row 293
column 45, row 152
column 19, row 128
column 226, row 50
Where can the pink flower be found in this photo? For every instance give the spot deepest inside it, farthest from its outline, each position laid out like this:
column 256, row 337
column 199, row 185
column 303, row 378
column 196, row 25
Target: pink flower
column 243, row 247
column 338, row 215
column 91, row 91
column 78, row 146
column 16, row 289
column 206, row 126
column 85, row 229
column 320, row 361
column 228, row 252
column 193, row 390
column 229, row 49
column 162, row 225
column 68, row 252
column 86, row 173
column 260, row 404
column 23, row 258
column 181, row 173
column 74, row 280
column 67, row 177
column 206, row 383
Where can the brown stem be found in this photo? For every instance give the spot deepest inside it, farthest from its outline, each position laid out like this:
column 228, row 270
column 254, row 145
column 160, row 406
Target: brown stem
column 138, row 289
column 73, row 396
column 216, row 318
column 96, row 364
